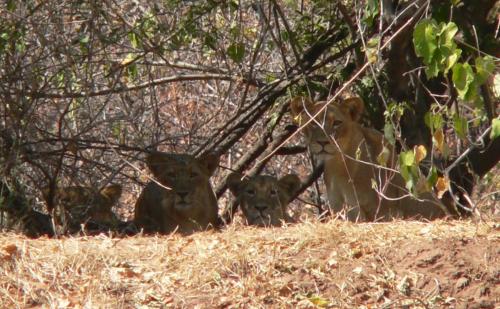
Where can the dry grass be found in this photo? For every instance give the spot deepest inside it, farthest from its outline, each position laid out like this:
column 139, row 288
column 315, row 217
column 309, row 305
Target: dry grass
column 337, row 265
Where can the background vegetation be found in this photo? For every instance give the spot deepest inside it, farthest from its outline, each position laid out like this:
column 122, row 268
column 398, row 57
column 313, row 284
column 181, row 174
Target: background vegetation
column 87, row 87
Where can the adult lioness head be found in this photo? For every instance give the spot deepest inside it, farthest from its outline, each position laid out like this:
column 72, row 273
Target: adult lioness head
column 76, row 205
column 351, row 154
column 183, row 200
column 333, row 128
column 264, row 199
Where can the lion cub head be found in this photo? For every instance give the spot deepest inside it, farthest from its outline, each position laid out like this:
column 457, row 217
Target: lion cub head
column 182, row 199
column 76, row 205
column 264, row 199
column 334, row 127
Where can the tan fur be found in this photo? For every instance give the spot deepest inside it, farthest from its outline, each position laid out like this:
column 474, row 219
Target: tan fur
column 190, row 205
column 76, row 205
column 264, row 199
column 348, row 181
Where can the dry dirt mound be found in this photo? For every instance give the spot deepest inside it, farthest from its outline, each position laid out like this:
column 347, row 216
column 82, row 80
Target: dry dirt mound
column 333, row 265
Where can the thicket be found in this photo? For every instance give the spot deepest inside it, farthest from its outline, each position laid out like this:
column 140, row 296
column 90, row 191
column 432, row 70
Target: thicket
column 86, row 87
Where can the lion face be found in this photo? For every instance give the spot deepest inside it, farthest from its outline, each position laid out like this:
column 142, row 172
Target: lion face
column 78, row 204
column 186, row 202
column 333, row 128
column 186, row 176
column 264, row 199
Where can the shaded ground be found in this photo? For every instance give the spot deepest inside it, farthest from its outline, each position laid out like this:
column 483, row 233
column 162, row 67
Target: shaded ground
column 333, row 265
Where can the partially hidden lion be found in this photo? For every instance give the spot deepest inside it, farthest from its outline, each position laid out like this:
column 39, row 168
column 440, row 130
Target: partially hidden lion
column 184, row 200
column 354, row 180
column 17, row 215
column 77, row 205
column 264, row 199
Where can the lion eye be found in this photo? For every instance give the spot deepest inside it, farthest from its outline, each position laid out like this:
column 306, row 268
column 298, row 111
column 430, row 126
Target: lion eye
column 336, row 123
column 250, row 192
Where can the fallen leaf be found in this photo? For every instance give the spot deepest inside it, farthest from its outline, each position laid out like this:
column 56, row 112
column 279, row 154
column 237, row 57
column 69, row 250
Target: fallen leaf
column 358, row 270
column 332, row 263
column 462, row 283
column 404, row 286
column 10, row 249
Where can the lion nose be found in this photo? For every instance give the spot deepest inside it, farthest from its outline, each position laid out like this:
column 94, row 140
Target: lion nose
column 182, row 194
column 260, row 207
column 323, row 143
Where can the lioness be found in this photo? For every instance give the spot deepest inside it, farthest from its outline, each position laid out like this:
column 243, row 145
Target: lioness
column 188, row 205
column 76, row 205
column 264, row 199
column 336, row 137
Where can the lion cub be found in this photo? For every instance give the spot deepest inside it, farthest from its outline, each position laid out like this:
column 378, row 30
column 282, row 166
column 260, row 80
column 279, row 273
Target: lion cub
column 337, row 138
column 76, row 205
column 264, row 199
column 188, row 205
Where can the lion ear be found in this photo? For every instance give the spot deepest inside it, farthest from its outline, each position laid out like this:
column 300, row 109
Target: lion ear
column 234, row 182
column 291, row 183
column 210, row 161
column 355, row 106
column 297, row 105
column 112, row 192
column 156, row 162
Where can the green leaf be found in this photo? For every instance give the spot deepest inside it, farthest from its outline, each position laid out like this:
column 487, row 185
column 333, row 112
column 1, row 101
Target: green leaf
column 117, row 129
column 434, row 121
column 472, row 94
column 371, row 12
column 463, row 77
column 424, row 39
column 408, row 174
column 134, row 41
column 319, row 301
column 432, row 69
column 436, row 45
column 495, row 128
column 233, row 5
column 132, row 71
column 407, row 158
column 236, row 52
column 461, row 126
column 20, row 46
column 11, row 5
column 447, row 34
column 448, row 57
column 484, row 68
column 210, row 40
column 389, row 133
column 432, row 177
